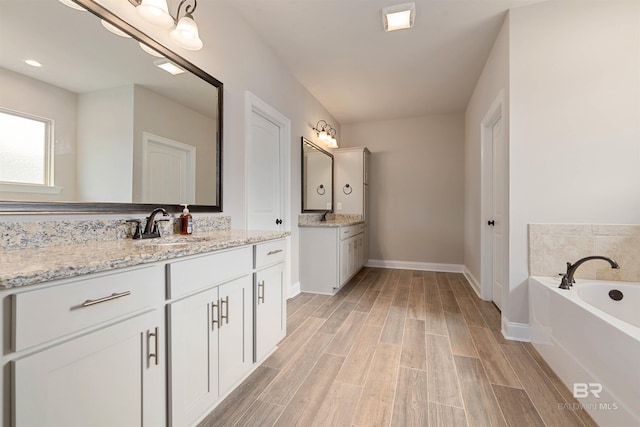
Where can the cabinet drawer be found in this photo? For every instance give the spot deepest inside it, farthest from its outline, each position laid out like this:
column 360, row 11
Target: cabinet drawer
column 346, row 232
column 270, row 253
column 50, row 313
column 198, row 273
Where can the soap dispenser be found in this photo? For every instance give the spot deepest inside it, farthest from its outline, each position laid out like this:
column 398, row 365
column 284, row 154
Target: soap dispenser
column 186, row 221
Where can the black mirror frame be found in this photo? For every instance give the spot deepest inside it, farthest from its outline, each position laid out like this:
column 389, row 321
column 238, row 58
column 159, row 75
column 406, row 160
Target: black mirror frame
column 303, row 141
column 20, row 207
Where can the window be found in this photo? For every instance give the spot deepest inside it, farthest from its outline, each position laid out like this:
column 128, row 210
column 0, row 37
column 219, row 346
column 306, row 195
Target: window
column 26, row 149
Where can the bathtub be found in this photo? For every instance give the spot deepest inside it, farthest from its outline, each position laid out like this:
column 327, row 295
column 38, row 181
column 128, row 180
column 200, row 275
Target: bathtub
column 592, row 342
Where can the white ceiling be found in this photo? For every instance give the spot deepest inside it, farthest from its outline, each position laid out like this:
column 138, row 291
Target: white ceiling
column 339, row 51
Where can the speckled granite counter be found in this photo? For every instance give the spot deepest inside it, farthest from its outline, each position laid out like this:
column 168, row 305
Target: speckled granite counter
column 333, row 220
column 22, row 267
column 331, row 223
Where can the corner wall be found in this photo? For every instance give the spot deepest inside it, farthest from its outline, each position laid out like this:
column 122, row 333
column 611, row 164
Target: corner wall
column 416, row 188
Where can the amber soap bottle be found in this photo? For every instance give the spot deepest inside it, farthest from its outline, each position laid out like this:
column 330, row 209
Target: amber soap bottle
column 186, row 221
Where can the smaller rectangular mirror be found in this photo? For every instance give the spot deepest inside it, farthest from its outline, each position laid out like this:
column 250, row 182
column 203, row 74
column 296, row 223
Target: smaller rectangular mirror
column 317, row 178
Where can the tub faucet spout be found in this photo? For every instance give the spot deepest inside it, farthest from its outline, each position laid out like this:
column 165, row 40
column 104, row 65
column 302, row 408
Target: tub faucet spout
column 567, row 278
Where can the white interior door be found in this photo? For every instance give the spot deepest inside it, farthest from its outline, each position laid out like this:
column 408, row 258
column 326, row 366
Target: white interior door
column 264, row 203
column 169, row 171
column 498, row 153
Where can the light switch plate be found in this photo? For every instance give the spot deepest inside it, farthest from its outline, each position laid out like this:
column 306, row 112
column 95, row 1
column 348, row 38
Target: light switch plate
column 339, row 206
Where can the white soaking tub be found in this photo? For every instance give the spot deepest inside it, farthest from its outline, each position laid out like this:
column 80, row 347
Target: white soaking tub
column 590, row 336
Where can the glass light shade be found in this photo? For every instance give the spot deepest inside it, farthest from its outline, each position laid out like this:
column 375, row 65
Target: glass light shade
column 155, row 12
column 150, row 51
column 115, row 30
column 186, row 34
column 322, row 136
column 73, row 5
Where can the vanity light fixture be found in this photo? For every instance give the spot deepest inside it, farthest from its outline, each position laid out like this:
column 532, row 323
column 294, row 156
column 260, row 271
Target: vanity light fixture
column 115, row 30
column 185, row 30
column 326, row 134
column 73, row 5
column 150, row 50
column 399, row 17
column 168, row 66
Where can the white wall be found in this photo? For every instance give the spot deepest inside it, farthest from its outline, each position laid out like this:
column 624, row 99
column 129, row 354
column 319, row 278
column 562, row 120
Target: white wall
column 493, row 81
column 19, row 93
column 105, row 145
column 575, row 122
column 416, row 187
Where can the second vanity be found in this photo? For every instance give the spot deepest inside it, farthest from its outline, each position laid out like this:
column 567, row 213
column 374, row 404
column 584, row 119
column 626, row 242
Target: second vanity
column 331, row 253
column 148, row 333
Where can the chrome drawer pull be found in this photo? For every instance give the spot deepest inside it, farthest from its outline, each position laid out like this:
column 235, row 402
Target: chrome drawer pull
column 149, row 354
column 215, row 318
column 89, row 302
column 224, row 301
column 274, row 252
column 261, row 297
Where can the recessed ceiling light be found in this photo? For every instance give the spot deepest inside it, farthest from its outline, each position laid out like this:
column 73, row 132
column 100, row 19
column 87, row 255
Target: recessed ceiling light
column 33, row 63
column 399, row 17
column 169, row 67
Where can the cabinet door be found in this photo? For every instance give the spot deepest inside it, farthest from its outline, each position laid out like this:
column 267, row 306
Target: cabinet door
column 112, row 377
column 270, row 310
column 349, row 170
column 194, row 356
column 235, row 338
column 344, row 260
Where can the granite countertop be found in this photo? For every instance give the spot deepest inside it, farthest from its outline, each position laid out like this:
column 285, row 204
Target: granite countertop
column 331, row 223
column 22, row 267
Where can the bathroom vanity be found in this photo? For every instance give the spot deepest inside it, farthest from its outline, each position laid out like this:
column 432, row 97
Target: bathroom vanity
column 157, row 335
column 331, row 253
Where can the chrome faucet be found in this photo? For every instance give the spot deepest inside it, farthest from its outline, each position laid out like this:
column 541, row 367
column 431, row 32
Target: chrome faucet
column 567, row 278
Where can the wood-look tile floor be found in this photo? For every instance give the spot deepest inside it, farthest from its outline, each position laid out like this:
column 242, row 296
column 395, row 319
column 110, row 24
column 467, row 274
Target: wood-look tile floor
column 399, row 348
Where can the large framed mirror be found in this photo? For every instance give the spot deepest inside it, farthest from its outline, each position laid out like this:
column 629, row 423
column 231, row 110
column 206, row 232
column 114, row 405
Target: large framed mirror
column 108, row 130
column 317, row 178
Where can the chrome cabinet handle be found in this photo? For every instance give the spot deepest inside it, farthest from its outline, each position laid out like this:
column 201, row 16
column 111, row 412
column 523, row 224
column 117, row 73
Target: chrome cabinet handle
column 225, row 301
column 261, row 297
column 91, row 302
column 153, row 355
column 215, row 318
column 274, row 252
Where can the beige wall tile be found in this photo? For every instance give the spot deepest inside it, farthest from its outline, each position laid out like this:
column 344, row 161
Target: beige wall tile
column 551, row 246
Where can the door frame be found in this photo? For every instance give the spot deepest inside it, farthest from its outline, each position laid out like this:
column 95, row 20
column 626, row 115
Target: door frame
column 253, row 104
column 495, row 112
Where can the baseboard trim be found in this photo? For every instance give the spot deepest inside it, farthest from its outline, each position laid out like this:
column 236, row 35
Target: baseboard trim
column 294, row 290
column 409, row 265
column 516, row 331
column 475, row 285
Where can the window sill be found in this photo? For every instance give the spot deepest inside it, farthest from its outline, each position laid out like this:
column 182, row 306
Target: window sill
column 29, row 188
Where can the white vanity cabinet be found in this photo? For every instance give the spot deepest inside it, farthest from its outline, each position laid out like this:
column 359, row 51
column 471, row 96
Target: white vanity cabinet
column 270, row 298
column 330, row 256
column 92, row 352
column 210, row 331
